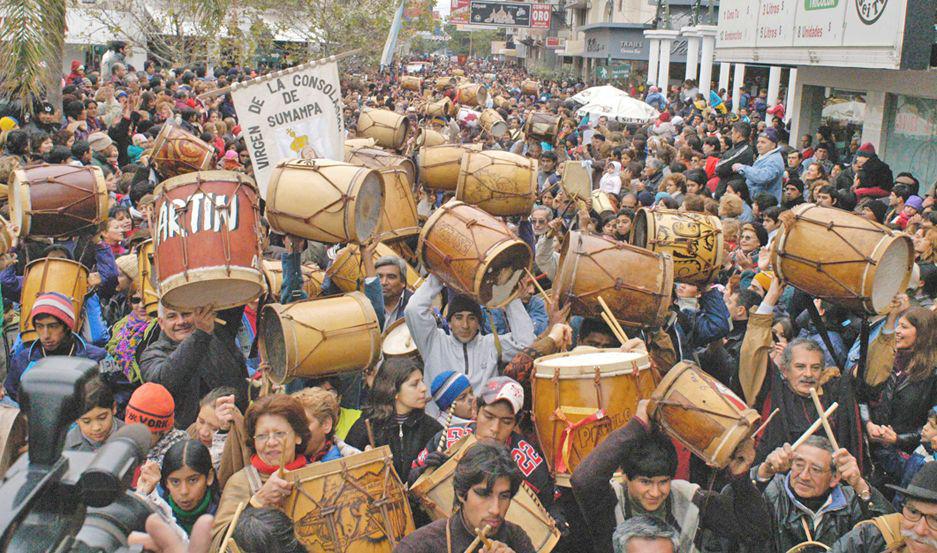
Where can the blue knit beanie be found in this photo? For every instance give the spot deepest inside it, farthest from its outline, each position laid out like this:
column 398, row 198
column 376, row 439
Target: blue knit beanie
column 448, row 386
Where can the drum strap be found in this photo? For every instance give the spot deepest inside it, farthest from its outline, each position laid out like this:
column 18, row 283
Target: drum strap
column 589, row 415
column 863, row 350
column 494, row 333
column 824, row 335
column 253, row 479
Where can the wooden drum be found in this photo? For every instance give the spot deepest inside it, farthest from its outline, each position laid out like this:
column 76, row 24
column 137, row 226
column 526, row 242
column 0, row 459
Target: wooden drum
column 319, row 337
column 176, row 152
column 843, row 257
column 702, row 414
column 439, row 108
column 442, row 83
column 387, row 128
column 472, row 94
column 499, row 182
column 435, row 492
column 693, row 240
column 13, row 436
column 440, row 165
column 207, row 241
column 637, row 284
column 57, row 200
column 146, row 283
column 427, row 137
column 347, row 274
column 313, row 277
column 474, row 253
column 399, row 219
column 376, row 158
column 411, row 82
column 51, row 274
column 356, row 503
column 493, row 124
column 577, row 181
column 323, row 200
column 580, row 397
column 543, row 126
column 530, row 88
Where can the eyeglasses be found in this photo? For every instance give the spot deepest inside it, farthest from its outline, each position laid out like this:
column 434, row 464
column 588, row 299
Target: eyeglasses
column 803, row 467
column 136, row 299
column 914, row 515
column 538, row 221
column 264, row 438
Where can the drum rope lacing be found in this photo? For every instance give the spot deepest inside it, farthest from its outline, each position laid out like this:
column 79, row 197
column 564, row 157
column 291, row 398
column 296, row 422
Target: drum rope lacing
column 401, row 232
column 56, row 179
column 470, row 225
column 818, row 265
column 330, row 511
column 324, row 334
column 495, row 193
column 343, row 198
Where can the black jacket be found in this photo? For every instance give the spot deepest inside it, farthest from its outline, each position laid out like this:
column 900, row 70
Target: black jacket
column 405, row 439
column 739, row 153
column 904, row 405
column 863, row 539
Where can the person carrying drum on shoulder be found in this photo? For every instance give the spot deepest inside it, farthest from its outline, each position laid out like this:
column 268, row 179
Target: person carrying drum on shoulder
column 499, row 406
column 649, row 462
column 53, row 316
column 485, row 482
column 816, row 494
column 780, row 375
column 465, row 349
column 194, row 354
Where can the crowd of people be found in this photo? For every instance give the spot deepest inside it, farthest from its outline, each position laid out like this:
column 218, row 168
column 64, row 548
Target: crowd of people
column 221, row 439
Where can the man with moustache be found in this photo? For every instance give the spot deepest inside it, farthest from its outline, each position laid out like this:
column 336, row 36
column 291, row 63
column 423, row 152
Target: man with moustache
column 392, row 271
column 485, row 481
column 816, row 494
column 785, row 379
column 913, row 530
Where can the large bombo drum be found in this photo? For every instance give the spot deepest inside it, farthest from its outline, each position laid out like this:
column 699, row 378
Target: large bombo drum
column 493, row 124
column 440, row 165
column 176, row 152
column 313, row 277
column 399, row 219
column 693, row 240
column 439, row 108
column 356, row 503
column 207, row 241
column 543, row 126
column 635, row 283
column 499, row 182
column 702, row 414
column 472, row 94
column 474, row 253
column 411, row 82
column 57, row 200
column 530, row 88
column 843, row 258
column 435, row 492
column 387, row 128
column 51, row 274
column 323, row 200
column 579, row 398
column 346, row 270
column 428, row 137
column 146, row 283
column 319, row 337
column 375, row 158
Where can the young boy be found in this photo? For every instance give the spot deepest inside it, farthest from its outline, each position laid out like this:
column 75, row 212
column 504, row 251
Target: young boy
column 152, row 405
column 98, row 420
column 453, row 390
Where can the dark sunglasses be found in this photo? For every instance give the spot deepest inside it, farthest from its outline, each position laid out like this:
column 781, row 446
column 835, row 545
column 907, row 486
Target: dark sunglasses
column 136, row 299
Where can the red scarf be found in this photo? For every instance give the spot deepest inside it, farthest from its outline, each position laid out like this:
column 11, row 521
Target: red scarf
column 263, row 468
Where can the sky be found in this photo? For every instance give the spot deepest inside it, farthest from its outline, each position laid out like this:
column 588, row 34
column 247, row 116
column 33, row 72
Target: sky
column 442, row 6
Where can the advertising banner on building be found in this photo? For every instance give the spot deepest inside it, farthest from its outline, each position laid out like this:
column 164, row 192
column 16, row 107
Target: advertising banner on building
column 511, row 14
column 459, row 11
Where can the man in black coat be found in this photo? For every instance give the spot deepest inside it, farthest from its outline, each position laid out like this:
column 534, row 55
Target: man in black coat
column 741, row 152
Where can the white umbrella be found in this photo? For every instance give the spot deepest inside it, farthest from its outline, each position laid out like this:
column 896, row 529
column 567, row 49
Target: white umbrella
column 852, row 111
column 623, row 109
column 598, row 93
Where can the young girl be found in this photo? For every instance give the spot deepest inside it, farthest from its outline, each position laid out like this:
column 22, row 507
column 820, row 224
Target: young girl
column 188, row 488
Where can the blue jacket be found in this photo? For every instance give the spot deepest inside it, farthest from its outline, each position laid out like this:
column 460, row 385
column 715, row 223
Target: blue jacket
column 766, row 174
column 696, row 328
column 535, row 307
column 656, row 99
column 24, row 359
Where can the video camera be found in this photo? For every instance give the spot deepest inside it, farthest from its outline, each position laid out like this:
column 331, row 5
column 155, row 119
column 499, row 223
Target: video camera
column 73, row 501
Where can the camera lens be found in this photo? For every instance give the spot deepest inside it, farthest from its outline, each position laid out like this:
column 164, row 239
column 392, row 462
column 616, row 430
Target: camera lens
column 106, row 529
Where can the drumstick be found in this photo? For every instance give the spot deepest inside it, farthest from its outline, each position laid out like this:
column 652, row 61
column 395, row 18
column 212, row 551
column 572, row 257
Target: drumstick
column 281, row 470
column 608, row 322
column 546, row 299
column 814, row 426
column 480, row 536
column 823, row 419
column 767, row 421
column 221, row 322
column 621, row 332
column 231, row 525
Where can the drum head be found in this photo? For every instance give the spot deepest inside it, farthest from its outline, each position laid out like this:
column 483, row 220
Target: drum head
column 16, row 196
column 274, row 345
column 397, row 340
column 593, row 358
column 639, row 235
column 499, row 128
column 368, row 203
column 499, row 283
column 894, row 271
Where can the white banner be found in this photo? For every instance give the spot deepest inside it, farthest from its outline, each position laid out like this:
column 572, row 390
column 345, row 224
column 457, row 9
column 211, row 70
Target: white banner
column 292, row 113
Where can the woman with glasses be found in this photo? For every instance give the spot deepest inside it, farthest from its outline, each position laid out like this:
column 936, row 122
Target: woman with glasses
column 277, row 434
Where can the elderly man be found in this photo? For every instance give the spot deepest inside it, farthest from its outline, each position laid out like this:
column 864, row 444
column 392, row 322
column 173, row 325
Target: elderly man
column 784, row 380
column 645, row 534
column 465, row 349
column 766, row 174
column 392, row 271
column 816, row 494
column 914, row 530
column 193, row 355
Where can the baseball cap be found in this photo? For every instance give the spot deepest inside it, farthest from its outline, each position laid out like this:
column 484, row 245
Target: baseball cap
column 503, row 388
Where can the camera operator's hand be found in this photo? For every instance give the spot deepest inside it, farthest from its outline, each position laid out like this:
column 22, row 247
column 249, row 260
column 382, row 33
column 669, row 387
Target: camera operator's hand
column 274, row 491
column 149, row 478
column 160, row 536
